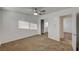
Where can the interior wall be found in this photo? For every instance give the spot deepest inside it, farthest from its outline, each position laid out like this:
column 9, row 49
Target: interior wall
column 67, row 24
column 53, row 20
column 61, row 28
column 45, row 25
column 9, row 26
column 53, row 26
column 9, row 30
column 53, row 29
column 1, row 26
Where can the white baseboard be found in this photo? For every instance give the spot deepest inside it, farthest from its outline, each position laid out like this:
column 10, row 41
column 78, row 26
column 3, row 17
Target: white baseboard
column 57, row 39
column 17, row 38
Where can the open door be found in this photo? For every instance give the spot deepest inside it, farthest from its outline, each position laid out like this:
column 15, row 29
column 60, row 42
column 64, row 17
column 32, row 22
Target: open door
column 42, row 26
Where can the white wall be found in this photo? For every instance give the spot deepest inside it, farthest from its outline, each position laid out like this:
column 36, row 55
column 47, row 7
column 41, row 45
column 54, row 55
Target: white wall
column 45, row 25
column 9, row 30
column 53, row 29
column 67, row 24
column 53, row 23
column 9, row 25
column 53, row 20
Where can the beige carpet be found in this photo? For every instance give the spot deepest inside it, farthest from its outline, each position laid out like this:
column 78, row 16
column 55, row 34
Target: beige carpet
column 37, row 43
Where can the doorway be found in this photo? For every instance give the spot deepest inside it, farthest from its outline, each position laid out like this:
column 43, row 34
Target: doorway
column 66, row 29
column 42, row 26
column 77, row 46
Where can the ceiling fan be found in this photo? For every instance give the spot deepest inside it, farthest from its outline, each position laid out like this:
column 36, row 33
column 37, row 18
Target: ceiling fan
column 39, row 11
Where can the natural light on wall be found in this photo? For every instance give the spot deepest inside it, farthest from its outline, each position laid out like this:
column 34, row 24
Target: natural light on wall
column 33, row 26
column 23, row 25
column 27, row 25
column 46, row 24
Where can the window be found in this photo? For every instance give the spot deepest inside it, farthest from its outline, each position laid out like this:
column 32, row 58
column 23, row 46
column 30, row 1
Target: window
column 27, row 25
column 23, row 25
column 33, row 26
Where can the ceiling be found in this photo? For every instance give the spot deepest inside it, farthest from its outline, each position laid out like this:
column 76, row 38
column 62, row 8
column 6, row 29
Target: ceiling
column 53, row 9
column 29, row 10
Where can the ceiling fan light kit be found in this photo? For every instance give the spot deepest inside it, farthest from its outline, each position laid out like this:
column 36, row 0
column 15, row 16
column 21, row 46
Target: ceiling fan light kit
column 35, row 13
column 38, row 12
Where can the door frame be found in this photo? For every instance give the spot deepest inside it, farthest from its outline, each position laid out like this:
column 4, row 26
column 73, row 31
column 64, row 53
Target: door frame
column 42, row 26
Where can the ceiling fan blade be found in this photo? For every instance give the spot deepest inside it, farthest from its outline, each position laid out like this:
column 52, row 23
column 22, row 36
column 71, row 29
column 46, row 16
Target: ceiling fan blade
column 43, row 11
